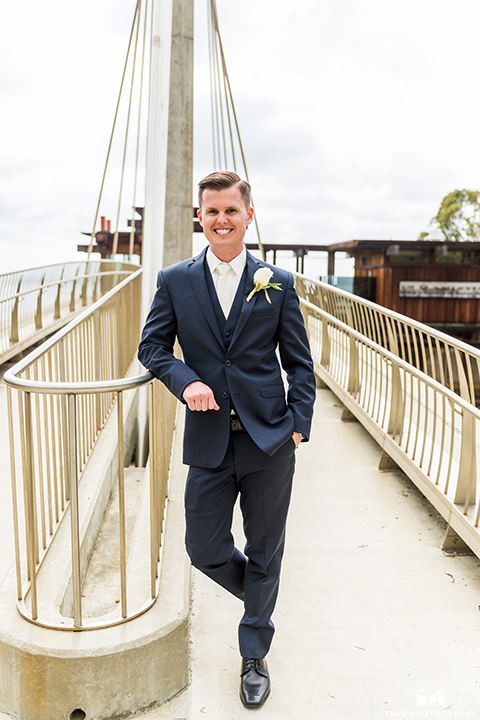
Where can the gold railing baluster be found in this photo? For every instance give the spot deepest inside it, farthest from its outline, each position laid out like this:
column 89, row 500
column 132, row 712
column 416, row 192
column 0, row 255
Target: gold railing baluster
column 416, row 390
column 58, row 432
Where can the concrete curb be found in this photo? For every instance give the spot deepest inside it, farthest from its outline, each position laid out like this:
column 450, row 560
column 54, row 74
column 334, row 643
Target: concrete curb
column 111, row 673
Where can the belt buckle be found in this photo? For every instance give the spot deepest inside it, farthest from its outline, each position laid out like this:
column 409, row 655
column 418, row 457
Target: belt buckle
column 235, row 424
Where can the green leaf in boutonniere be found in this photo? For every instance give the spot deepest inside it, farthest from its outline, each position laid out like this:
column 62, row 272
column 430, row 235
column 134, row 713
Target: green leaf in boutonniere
column 261, row 281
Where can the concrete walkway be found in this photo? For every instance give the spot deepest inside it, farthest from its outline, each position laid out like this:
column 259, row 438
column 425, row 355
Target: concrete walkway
column 373, row 621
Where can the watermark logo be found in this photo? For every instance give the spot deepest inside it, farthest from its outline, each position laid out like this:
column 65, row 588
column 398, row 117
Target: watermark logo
column 429, row 699
column 431, row 704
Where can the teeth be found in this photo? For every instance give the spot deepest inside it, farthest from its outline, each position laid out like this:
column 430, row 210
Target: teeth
column 223, row 232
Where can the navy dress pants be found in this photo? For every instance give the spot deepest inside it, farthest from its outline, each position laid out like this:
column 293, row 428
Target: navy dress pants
column 264, row 483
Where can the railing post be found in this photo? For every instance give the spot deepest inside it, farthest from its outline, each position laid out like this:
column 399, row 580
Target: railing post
column 14, row 336
column 465, row 491
column 353, row 371
column 325, row 356
column 74, row 510
column 62, row 371
column 98, row 366
column 72, row 296
column 13, row 479
column 84, row 290
column 58, row 300
column 121, row 505
column 397, row 405
column 29, row 490
column 153, row 465
column 38, row 313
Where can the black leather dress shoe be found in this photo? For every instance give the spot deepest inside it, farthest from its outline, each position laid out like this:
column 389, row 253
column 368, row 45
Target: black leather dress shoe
column 255, row 682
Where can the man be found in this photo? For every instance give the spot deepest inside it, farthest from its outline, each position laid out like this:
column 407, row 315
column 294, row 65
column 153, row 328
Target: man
column 241, row 432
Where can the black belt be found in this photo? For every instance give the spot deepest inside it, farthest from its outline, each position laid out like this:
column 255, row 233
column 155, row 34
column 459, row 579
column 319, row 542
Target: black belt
column 235, row 423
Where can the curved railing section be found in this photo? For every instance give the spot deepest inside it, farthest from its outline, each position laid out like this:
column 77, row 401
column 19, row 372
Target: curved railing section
column 63, row 399
column 36, row 302
column 451, row 362
column 430, row 431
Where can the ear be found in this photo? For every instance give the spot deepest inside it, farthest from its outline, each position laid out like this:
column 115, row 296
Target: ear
column 249, row 215
column 199, row 215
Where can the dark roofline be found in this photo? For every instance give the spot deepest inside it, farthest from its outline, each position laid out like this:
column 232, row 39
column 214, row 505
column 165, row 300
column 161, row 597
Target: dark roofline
column 350, row 245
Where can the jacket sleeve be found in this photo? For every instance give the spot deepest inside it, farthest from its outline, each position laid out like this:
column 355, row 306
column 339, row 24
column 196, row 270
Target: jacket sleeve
column 155, row 351
column 296, row 360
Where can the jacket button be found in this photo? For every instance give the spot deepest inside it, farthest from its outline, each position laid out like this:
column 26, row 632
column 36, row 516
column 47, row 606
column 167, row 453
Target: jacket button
column 228, row 333
column 228, row 363
column 224, row 395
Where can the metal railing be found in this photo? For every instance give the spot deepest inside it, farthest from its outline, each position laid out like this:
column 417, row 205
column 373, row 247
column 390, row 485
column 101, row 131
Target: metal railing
column 429, row 430
column 451, row 362
column 66, row 391
column 36, row 302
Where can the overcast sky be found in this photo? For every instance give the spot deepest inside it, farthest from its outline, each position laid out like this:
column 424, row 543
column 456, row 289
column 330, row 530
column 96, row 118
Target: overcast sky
column 357, row 116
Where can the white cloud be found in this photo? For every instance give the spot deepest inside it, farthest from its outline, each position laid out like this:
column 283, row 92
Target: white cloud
column 357, row 115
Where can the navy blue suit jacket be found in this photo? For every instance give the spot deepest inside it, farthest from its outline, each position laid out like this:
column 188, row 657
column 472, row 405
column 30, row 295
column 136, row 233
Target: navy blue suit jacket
column 247, row 373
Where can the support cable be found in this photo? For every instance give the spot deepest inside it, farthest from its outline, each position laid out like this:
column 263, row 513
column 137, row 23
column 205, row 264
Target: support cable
column 216, row 101
column 210, row 65
column 115, row 237
column 219, row 85
column 134, row 203
column 92, row 237
column 230, row 95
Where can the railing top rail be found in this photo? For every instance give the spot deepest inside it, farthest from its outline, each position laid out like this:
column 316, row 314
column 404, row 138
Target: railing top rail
column 77, row 388
column 444, row 337
column 64, row 281
column 411, row 369
column 64, row 264
column 11, row 376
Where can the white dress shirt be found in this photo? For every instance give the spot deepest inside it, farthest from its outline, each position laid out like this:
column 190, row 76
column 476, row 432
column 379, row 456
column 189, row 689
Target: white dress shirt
column 230, row 280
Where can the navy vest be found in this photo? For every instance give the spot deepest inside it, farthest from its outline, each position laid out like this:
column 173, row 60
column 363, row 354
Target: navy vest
column 226, row 326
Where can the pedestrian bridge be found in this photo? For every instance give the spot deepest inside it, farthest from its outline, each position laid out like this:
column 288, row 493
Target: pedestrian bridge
column 387, row 619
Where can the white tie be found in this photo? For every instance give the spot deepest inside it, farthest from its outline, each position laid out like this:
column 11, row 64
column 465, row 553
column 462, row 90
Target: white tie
column 224, row 288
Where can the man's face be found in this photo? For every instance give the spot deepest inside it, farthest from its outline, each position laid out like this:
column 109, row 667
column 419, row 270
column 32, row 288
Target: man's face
column 224, row 218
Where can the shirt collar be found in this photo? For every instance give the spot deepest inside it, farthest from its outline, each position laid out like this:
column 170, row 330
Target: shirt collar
column 237, row 264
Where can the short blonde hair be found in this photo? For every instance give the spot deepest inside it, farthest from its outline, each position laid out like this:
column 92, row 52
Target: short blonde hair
column 221, row 180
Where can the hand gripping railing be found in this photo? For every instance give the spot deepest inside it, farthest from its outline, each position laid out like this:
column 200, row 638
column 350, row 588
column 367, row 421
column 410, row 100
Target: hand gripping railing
column 64, row 401
column 37, row 301
column 425, row 427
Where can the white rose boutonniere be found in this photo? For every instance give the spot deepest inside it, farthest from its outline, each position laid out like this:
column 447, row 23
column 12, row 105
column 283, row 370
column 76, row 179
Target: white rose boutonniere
column 261, row 281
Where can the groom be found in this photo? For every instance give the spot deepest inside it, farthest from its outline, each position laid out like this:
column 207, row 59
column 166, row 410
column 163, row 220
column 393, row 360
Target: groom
column 231, row 314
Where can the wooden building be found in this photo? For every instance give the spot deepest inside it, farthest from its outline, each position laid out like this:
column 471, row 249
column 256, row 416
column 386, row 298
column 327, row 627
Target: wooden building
column 432, row 281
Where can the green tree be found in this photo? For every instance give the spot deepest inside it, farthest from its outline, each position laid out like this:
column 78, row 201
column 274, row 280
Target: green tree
column 458, row 216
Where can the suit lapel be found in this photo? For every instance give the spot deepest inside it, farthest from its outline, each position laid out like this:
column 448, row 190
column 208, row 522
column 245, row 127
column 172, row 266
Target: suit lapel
column 197, row 278
column 252, row 265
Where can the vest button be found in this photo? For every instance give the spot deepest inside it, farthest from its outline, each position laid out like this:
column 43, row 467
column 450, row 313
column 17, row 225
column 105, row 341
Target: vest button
column 224, row 395
column 228, row 333
column 228, row 363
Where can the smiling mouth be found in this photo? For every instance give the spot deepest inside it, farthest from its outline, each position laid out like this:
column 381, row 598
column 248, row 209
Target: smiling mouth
column 223, row 231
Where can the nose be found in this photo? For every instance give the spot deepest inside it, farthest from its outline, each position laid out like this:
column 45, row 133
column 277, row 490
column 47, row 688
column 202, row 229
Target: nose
column 221, row 218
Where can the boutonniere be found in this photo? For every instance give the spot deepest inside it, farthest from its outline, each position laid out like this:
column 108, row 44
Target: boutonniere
column 261, row 281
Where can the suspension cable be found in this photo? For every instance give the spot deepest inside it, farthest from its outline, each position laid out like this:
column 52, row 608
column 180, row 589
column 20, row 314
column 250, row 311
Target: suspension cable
column 216, row 32
column 210, row 65
column 134, row 203
column 115, row 237
column 92, row 237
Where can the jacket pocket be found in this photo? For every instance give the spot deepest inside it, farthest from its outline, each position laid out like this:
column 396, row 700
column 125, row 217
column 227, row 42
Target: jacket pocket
column 272, row 391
